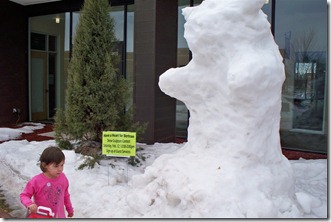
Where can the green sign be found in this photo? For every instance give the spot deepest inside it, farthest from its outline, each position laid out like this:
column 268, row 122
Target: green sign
column 121, row 144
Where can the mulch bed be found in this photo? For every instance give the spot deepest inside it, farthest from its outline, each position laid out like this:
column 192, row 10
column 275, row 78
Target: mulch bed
column 295, row 155
column 35, row 135
column 32, row 136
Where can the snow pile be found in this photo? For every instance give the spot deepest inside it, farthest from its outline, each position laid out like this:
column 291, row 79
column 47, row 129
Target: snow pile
column 233, row 91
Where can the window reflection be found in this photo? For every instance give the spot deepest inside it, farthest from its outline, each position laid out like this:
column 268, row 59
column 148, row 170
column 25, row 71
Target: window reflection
column 129, row 47
column 183, row 58
column 301, row 33
column 117, row 13
column 267, row 10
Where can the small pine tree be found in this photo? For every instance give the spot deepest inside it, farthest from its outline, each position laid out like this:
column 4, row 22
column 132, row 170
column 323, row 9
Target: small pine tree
column 96, row 94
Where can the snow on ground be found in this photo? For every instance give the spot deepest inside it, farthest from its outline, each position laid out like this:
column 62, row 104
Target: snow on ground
column 102, row 192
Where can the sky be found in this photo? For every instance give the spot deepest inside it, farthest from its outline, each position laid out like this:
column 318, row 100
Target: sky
column 230, row 167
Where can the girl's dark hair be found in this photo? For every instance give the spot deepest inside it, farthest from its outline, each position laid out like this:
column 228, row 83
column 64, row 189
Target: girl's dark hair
column 51, row 154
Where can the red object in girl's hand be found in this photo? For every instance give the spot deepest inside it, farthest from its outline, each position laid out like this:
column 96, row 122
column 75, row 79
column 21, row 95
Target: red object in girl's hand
column 42, row 212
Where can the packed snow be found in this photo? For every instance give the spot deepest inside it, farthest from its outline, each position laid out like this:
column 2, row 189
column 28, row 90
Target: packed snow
column 231, row 166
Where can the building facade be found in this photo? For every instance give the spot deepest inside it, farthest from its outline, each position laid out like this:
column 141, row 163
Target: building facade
column 36, row 43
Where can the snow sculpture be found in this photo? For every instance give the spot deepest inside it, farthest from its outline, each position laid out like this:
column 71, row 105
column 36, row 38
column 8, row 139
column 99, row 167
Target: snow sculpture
column 232, row 88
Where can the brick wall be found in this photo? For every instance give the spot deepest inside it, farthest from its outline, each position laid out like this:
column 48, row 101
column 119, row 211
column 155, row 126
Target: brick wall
column 13, row 62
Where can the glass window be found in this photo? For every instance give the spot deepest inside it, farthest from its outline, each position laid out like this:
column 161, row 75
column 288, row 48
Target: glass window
column 123, row 42
column 129, row 47
column 197, row 2
column 183, row 58
column 267, row 9
column 67, row 32
column 52, row 84
column 124, row 32
column 117, row 13
column 52, row 43
column 130, row 28
column 75, row 20
column 301, row 33
column 183, row 50
column 38, row 41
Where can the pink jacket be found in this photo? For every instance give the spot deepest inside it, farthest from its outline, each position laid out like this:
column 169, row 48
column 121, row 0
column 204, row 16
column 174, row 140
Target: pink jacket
column 52, row 193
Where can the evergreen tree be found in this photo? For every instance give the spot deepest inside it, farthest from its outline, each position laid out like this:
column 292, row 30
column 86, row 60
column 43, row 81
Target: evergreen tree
column 96, row 94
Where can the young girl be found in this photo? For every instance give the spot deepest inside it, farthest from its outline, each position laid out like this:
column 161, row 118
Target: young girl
column 50, row 188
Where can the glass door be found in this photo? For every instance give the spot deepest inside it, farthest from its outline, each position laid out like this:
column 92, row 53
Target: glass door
column 39, row 85
column 43, row 65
